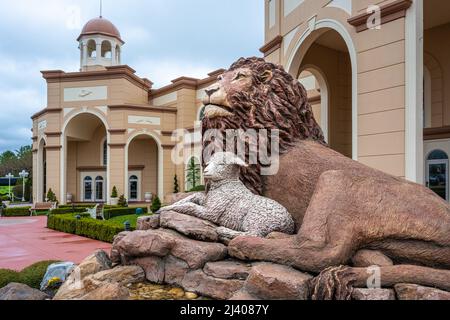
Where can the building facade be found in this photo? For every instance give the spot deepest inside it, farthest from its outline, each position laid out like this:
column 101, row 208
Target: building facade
column 378, row 77
column 104, row 126
column 377, row 74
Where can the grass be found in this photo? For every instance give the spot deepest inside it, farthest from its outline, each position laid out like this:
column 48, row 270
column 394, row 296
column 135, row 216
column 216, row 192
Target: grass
column 31, row 276
column 4, row 189
column 132, row 218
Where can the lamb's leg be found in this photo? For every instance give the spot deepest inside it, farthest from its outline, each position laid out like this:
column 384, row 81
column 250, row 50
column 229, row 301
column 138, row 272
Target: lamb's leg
column 226, row 234
column 197, row 198
column 187, row 208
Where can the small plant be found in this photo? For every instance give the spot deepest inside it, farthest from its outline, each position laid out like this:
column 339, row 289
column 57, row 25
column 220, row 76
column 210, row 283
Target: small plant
column 51, row 196
column 122, row 201
column 114, row 193
column 176, row 187
column 156, row 205
column 193, row 173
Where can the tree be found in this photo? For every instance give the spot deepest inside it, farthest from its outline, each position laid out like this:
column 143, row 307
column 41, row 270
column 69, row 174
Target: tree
column 176, row 187
column 51, row 196
column 14, row 162
column 156, row 205
column 193, row 173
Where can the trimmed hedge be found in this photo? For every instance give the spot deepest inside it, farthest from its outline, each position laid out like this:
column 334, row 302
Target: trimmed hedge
column 112, row 213
column 68, row 210
column 85, row 227
column 31, row 276
column 16, row 212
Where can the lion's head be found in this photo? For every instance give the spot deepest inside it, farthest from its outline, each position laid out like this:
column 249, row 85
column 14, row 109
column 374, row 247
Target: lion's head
column 255, row 94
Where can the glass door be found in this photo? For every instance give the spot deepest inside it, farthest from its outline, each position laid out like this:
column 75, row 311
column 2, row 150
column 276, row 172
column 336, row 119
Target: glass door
column 437, row 177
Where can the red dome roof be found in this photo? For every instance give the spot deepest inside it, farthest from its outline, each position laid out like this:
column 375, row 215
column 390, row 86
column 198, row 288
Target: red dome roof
column 100, row 26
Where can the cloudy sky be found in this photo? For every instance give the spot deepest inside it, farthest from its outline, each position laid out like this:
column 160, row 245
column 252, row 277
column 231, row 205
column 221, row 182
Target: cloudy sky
column 164, row 39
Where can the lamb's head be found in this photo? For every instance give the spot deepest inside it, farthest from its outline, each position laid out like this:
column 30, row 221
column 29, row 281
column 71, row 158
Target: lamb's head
column 223, row 166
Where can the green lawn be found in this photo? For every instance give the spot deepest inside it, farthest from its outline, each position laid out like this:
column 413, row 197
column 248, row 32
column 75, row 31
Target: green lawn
column 4, row 190
column 130, row 218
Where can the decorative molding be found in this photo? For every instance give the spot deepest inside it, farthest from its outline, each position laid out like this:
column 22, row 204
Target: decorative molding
column 142, row 108
column 272, row 45
column 53, row 147
column 168, row 146
column 85, row 93
column 117, row 145
column 136, row 167
column 91, row 168
column 117, row 131
column 144, row 120
column 167, row 133
column 53, row 134
column 389, row 12
column 436, row 133
column 45, row 111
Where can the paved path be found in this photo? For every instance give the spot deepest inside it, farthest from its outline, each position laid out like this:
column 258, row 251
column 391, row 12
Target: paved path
column 24, row 241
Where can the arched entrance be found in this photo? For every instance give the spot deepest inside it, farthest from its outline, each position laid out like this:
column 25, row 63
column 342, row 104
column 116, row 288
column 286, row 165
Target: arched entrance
column 142, row 168
column 85, row 171
column 327, row 53
column 42, row 171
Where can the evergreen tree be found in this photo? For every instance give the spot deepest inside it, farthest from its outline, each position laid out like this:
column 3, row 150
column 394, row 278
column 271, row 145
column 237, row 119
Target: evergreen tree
column 156, row 205
column 176, row 187
column 193, row 173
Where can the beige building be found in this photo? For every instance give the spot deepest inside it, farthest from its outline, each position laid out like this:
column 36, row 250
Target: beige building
column 377, row 74
column 104, row 127
column 378, row 77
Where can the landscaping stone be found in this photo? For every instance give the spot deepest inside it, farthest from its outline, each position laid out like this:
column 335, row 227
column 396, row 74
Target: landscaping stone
column 415, row 292
column 175, row 269
column 122, row 275
column 197, row 281
column 270, row 281
column 243, row 295
column 115, row 253
column 57, row 270
column 19, row 291
column 148, row 222
column 151, row 291
column 373, row 294
column 367, row 258
column 229, row 269
column 191, row 227
column 108, row 291
column 153, row 268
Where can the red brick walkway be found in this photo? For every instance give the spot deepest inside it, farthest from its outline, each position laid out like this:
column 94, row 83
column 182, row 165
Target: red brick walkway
column 24, row 241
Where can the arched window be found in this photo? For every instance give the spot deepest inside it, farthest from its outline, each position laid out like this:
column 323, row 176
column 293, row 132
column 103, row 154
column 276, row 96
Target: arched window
column 99, row 188
column 193, row 173
column 437, row 173
column 133, row 187
column 87, row 187
column 92, row 49
column 106, row 49
column 105, row 152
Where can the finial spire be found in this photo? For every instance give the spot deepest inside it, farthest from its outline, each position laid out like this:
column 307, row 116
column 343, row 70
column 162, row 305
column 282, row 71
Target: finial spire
column 101, row 9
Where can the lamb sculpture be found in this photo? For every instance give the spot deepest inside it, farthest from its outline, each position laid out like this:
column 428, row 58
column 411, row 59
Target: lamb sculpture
column 229, row 204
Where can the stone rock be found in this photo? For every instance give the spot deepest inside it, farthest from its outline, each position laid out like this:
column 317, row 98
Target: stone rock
column 243, row 295
column 368, row 258
column 415, row 292
column 59, row 270
column 191, row 227
column 196, row 253
column 230, row 269
column 373, row 294
column 145, row 243
column 115, row 254
column 108, row 291
column 175, row 270
column 19, row 291
column 148, row 222
column 73, row 287
column 175, row 197
column 153, row 268
column 122, row 275
column 270, row 281
column 197, row 281
column 177, row 292
column 278, row 235
column 190, row 295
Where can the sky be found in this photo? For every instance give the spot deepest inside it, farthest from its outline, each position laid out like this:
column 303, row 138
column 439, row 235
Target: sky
column 165, row 39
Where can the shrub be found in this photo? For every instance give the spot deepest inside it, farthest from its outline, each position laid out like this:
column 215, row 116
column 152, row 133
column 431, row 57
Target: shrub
column 16, row 212
column 197, row 189
column 122, row 201
column 114, row 193
column 31, row 276
column 118, row 212
column 86, row 227
column 68, row 210
column 51, row 196
column 156, row 205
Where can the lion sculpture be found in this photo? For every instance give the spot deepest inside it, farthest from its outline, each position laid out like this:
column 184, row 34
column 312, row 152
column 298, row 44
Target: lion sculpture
column 340, row 206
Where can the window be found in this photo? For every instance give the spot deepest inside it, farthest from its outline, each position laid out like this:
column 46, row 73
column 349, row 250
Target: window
column 133, row 186
column 99, row 188
column 88, row 189
column 92, row 49
column 105, row 152
column 437, row 173
column 106, row 50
